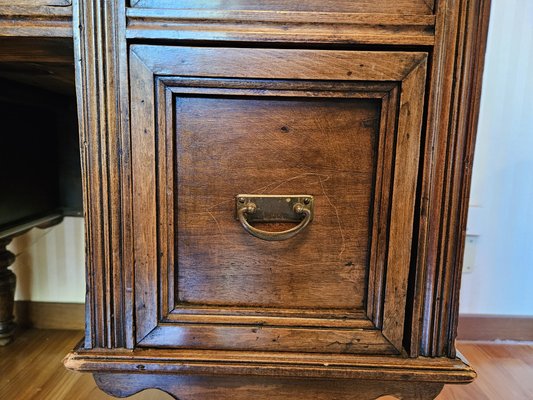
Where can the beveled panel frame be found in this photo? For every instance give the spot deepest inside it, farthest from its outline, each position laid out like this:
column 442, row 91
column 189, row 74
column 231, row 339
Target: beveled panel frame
column 168, row 88
column 159, row 73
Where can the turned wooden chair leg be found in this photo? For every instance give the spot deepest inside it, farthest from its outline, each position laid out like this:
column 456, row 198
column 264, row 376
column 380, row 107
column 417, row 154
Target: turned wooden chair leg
column 7, row 293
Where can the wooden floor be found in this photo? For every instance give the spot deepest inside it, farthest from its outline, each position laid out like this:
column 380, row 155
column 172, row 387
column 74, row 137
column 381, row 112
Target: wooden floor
column 31, row 368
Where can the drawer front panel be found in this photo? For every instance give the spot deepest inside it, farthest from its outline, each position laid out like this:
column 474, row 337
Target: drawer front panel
column 208, row 124
column 322, row 147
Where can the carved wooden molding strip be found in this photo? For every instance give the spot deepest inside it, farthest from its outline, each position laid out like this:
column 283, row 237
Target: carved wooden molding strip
column 294, row 27
column 36, row 21
column 279, row 364
column 103, row 109
column 453, row 107
column 393, row 7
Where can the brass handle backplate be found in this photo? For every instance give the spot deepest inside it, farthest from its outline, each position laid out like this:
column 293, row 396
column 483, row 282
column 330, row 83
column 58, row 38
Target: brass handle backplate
column 274, row 208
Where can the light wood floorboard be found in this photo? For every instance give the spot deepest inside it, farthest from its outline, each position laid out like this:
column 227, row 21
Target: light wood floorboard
column 31, row 368
column 505, row 372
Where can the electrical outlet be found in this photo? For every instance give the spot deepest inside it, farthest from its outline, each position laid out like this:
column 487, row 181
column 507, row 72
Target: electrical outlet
column 469, row 259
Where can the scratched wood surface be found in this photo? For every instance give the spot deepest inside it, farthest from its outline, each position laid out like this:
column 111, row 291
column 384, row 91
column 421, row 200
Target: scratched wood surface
column 325, row 148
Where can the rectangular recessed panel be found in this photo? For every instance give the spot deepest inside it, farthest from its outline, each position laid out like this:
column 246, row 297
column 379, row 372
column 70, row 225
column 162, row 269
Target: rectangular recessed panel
column 324, row 147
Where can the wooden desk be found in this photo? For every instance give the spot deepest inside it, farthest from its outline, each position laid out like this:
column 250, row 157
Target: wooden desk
column 184, row 104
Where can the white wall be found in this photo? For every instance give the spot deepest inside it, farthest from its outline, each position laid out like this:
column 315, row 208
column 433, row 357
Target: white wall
column 501, row 281
column 50, row 263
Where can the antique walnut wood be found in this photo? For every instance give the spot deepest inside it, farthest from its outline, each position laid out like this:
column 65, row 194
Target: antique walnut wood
column 36, row 18
column 369, row 107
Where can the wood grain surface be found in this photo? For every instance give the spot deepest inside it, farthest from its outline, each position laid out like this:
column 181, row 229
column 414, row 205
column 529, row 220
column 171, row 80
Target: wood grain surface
column 273, row 364
column 131, row 275
column 322, row 147
column 31, row 369
column 452, row 109
column 265, row 63
column 504, row 372
column 36, row 18
column 246, row 387
column 102, row 95
column 46, row 63
column 401, row 7
column 281, row 26
column 271, row 128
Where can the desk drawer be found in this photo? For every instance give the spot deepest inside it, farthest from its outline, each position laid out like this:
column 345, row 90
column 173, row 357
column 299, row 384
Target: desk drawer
column 340, row 127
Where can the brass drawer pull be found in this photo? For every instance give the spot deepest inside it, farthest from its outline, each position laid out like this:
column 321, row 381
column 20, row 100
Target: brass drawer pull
column 274, row 208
